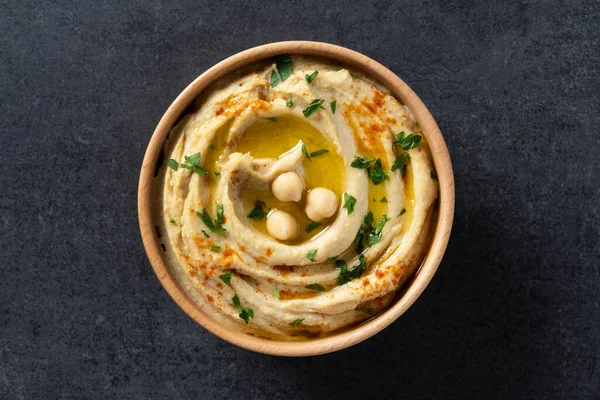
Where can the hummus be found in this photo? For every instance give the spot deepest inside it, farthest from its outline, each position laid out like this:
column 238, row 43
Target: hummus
column 215, row 197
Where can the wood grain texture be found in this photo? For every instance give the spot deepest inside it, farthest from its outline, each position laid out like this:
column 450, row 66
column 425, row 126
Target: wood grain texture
column 412, row 290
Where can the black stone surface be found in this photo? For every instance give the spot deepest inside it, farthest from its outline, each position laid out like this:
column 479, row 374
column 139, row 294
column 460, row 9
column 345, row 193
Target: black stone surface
column 513, row 311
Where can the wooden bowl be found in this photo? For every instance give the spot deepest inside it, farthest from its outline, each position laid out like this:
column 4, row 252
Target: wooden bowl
column 411, row 290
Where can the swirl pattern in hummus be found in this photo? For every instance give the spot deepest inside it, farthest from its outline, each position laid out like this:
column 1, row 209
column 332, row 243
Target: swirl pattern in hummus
column 247, row 133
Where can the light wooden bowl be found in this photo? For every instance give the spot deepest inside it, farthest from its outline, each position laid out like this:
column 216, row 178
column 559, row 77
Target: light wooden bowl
column 412, row 289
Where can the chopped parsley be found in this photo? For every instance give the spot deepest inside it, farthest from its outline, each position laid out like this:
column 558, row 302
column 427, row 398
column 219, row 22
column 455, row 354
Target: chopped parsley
column 410, row 141
column 311, row 77
column 192, row 162
column 297, row 322
column 383, row 200
column 333, row 105
column 311, row 255
column 284, row 66
column 378, row 175
column 349, row 203
column 257, row 212
column 432, row 175
column 204, row 233
column 172, row 220
column 319, row 152
column 315, row 286
column 245, row 313
column 402, row 212
column 305, row 152
column 217, row 225
column 400, row 163
column 289, row 103
column 312, row 226
column 366, row 310
column 332, row 258
column 226, row 277
column 276, row 292
column 275, row 78
column 212, row 146
column 215, row 248
column 173, row 164
column 313, row 107
column 218, row 175
column 375, row 236
column 347, row 275
column 362, row 162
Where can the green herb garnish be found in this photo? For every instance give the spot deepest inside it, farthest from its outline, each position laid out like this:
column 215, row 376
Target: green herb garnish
column 173, row 164
column 375, row 236
column 212, row 146
column 276, row 292
column 349, row 203
column 218, row 175
column 400, row 163
column 410, row 141
column 315, row 286
column 204, row 233
column 275, row 78
column 284, row 66
column 311, row 255
column 383, row 200
column 257, row 212
column 305, row 152
column 362, row 162
column 356, row 272
column 289, row 103
column 215, row 248
column 192, row 162
column 432, row 175
column 312, row 226
column 245, row 313
column 172, row 220
column 402, row 212
column 333, row 105
column 226, row 277
column 378, row 175
column 332, row 258
column 297, row 322
column 319, row 152
column 311, row 77
column 313, row 107
column 215, row 226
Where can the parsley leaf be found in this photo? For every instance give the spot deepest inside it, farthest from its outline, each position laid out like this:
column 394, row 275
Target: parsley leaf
column 383, row 200
column 284, row 66
column 275, row 78
column 311, row 255
column 349, row 203
column 366, row 310
column 315, row 286
column 305, row 152
column 311, row 77
column 319, row 152
column 173, row 164
column 400, row 163
column 332, row 258
column 245, row 313
column 375, row 237
column 226, row 277
column 172, row 220
column 362, row 163
column 312, row 226
column 333, row 105
column 212, row 146
column 402, row 212
column 297, row 322
column 276, row 292
column 204, row 233
column 378, row 175
column 356, row 272
column 410, row 141
column 313, row 107
column 257, row 212
column 215, row 248
column 432, row 175
column 218, row 175
column 215, row 226
column 289, row 103
column 191, row 162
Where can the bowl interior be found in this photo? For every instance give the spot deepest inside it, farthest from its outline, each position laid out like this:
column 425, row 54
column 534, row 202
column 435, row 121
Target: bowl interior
column 412, row 289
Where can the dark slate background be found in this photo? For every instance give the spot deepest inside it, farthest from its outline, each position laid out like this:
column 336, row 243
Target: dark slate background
column 513, row 311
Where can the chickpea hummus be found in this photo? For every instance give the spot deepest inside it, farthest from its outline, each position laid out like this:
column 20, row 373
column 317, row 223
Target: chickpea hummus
column 297, row 196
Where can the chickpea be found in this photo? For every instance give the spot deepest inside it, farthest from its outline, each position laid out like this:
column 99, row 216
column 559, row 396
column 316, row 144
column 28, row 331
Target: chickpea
column 282, row 226
column 321, row 203
column 288, row 187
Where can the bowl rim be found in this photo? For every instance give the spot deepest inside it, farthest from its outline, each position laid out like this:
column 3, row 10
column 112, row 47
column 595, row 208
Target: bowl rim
column 412, row 289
